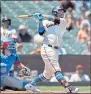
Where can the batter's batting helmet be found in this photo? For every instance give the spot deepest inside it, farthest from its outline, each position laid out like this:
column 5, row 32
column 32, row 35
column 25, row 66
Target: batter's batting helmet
column 58, row 11
column 6, row 19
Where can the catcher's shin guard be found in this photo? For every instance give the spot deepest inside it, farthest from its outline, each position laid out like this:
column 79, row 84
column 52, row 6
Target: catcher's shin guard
column 14, row 83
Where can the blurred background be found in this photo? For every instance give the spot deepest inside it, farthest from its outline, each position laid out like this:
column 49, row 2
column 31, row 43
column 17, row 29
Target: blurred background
column 76, row 39
column 76, row 49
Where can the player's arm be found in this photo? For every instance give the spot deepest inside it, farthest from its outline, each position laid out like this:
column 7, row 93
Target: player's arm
column 49, row 17
column 23, row 69
column 14, row 35
column 52, row 18
column 20, row 65
column 78, row 36
column 41, row 28
column 18, row 62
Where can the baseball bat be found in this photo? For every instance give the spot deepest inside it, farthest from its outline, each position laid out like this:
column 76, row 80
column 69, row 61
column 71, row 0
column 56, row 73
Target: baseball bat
column 25, row 16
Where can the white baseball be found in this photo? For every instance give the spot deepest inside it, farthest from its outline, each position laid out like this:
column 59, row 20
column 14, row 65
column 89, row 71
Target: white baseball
column 38, row 39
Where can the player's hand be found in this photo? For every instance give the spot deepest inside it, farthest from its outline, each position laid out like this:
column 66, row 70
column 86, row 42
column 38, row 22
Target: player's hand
column 38, row 16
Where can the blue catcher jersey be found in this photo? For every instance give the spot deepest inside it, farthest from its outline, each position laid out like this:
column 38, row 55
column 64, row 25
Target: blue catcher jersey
column 9, row 60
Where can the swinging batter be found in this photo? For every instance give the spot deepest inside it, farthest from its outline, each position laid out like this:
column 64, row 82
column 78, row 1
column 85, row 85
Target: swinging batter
column 52, row 28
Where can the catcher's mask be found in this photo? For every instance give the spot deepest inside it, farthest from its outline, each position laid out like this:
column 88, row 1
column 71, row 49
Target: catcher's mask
column 10, row 46
column 58, row 11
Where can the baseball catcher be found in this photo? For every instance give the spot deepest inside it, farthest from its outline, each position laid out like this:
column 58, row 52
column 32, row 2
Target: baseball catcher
column 9, row 58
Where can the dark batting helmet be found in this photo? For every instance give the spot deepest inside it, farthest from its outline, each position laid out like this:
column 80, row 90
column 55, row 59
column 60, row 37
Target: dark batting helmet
column 58, row 11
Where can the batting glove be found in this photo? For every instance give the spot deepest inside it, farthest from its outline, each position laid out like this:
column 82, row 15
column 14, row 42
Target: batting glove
column 39, row 16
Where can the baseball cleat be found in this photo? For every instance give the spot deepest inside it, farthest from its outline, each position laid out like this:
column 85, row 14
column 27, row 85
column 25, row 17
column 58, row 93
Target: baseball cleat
column 32, row 88
column 71, row 89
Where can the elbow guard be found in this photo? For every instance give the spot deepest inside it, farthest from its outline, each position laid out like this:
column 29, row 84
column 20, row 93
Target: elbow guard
column 50, row 18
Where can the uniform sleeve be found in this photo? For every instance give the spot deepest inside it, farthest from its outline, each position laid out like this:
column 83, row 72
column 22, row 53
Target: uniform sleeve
column 3, row 60
column 1, row 31
column 14, row 34
column 18, row 58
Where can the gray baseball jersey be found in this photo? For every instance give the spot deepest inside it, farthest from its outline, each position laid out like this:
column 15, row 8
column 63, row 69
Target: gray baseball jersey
column 54, row 33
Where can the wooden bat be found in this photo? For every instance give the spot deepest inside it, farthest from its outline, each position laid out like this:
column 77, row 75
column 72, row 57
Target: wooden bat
column 25, row 16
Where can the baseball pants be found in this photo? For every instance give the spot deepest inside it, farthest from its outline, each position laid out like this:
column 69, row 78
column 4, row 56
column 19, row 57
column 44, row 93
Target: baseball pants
column 50, row 57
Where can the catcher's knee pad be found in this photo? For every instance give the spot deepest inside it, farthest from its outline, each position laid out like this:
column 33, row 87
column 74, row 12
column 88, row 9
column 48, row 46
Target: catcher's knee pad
column 14, row 82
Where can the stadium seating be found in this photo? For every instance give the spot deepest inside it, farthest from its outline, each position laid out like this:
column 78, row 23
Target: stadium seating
column 15, row 8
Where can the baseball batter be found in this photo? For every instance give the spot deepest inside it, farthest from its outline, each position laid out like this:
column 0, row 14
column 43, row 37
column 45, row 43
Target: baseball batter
column 52, row 28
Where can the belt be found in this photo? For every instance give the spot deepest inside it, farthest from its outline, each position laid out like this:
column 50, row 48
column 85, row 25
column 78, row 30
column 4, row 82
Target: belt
column 55, row 47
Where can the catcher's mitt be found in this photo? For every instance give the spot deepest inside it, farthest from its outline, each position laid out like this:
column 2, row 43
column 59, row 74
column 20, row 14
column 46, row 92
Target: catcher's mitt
column 25, row 71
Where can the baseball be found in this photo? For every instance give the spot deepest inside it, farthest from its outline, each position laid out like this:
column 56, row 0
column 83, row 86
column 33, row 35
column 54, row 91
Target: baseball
column 38, row 39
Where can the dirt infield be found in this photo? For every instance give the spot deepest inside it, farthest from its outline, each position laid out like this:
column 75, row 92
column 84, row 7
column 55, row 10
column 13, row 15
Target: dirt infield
column 49, row 90
column 42, row 92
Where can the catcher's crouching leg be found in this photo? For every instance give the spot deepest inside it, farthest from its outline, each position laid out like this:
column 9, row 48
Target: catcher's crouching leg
column 13, row 83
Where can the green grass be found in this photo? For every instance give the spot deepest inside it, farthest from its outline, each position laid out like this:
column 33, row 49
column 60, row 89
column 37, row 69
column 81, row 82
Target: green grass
column 58, row 88
column 88, row 88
